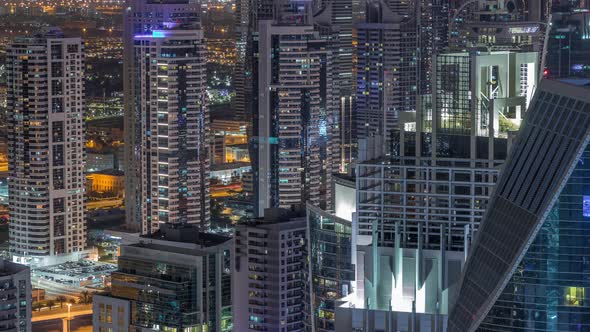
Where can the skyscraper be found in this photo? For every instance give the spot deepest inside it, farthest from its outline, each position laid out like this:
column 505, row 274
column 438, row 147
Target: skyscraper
column 247, row 15
column 417, row 210
column 478, row 98
column 386, row 70
column 335, row 19
column 268, row 276
column 294, row 142
column 498, row 25
column 568, row 45
column 527, row 268
column 432, row 26
column 328, row 270
column 166, row 115
column 242, row 73
column 403, row 38
column 46, row 147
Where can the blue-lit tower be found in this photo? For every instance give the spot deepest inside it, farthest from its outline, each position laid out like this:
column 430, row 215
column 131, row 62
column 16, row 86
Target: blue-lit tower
column 166, row 115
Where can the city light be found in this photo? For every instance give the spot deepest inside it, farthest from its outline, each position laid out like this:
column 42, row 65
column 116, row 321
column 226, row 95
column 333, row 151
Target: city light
column 297, row 165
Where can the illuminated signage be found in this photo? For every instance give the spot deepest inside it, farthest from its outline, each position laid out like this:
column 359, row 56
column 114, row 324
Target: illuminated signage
column 521, row 30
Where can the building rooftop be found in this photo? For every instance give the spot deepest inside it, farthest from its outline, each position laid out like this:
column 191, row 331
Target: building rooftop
column 186, row 234
column 10, row 268
column 278, row 217
column 226, row 166
column 113, row 172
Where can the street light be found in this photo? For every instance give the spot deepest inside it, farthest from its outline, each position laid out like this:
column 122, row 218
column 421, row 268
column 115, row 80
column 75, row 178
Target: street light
column 68, row 320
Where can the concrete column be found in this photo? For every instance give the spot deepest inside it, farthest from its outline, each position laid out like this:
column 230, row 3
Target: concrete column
column 398, row 257
column 466, row 242
column 441, row 264
column 65, row 323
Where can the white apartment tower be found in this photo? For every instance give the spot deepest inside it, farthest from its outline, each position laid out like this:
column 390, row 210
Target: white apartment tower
column 46, row 147
column 167, row 120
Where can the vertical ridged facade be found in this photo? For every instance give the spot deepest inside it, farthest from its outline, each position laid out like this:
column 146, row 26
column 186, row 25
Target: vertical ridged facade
column 46, row 147
column 166, row 118
column 294, row 148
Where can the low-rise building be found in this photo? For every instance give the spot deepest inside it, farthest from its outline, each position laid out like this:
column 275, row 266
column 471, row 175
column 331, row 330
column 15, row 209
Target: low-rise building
column 177, row 279
column 106, row 181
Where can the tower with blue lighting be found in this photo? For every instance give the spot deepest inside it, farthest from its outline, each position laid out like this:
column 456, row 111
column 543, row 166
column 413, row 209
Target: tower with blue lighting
column 166, row 115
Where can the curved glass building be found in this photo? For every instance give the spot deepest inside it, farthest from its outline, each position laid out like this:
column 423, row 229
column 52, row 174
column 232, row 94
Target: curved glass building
column 550, row 289
column 529, row 266
column 330, row 269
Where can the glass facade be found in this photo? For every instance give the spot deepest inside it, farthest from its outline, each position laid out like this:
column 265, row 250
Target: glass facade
column 170, row 306
column 176, row 297
column 550, row 289
column 569, row 44
column 528, row 267
column 330, row 269
column 453, row 100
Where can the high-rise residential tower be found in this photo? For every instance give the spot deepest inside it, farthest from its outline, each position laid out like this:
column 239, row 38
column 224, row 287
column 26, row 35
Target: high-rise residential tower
column 295, row 142
column 268, row 273
column 386, row 70
column 335, row 21
column 432, row 22
column 246, row 16
column 166, row 115
column 15, row 286
column 243, row 17
column 46, row 147
column 528, row 266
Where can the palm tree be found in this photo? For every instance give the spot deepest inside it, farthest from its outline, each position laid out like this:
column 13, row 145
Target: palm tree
column 50, row 304
column 72, row 301
column 85, row 297
column 37, row 306
column 61, row 299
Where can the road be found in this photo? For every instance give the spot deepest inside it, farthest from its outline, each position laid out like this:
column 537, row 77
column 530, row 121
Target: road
column 78, row 324
column 104, row 204
column 54, row 288
column 59, row 312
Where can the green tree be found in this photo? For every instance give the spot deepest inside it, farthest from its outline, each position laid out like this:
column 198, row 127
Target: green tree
column 61, row 300
column 85, row 297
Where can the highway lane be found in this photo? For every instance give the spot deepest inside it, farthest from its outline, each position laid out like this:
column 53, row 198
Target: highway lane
column 78, row 324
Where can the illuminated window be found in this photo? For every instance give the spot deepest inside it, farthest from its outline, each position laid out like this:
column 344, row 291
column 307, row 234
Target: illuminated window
column 574, row 296
column 586, row 206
